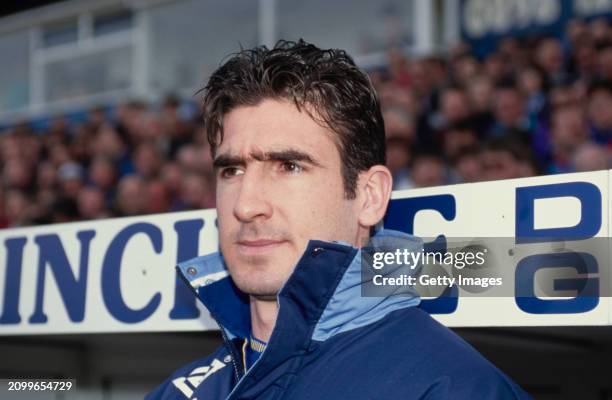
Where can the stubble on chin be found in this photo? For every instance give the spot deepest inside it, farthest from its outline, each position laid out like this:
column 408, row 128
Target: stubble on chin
column 258, row 286
column 260, row 276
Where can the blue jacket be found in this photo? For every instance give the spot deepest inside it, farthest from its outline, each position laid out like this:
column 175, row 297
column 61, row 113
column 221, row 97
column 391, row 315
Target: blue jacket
column 330, row 342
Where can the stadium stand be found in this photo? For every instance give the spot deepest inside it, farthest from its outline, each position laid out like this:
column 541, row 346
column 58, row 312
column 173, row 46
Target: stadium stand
column 538, row 105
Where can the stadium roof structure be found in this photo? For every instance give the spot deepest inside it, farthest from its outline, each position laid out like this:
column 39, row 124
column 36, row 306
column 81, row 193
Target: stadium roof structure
column 12, row 7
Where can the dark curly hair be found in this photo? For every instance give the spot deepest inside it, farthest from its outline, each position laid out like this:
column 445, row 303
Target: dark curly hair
column 325, row 83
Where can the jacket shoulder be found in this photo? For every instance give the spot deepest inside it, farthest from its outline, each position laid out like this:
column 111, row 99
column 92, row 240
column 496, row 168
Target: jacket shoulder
column 454, row 368
column 214, row 371
column 473, row 381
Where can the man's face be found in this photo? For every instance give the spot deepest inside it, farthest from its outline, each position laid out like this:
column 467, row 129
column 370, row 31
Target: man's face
column 279, row 185
column 599, row 106
column 508, row 107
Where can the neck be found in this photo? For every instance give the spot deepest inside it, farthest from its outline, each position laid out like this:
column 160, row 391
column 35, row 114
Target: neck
column 263, row 317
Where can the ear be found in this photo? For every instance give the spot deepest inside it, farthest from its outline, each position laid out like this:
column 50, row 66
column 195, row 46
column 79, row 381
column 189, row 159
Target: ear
column 375, row 187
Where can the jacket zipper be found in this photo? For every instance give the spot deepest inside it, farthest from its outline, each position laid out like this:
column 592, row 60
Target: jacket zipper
column 229, row 397
column 229, row 346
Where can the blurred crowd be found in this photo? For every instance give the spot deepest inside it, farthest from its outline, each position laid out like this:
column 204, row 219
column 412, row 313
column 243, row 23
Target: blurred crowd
column 538, row 105
column 137, row 160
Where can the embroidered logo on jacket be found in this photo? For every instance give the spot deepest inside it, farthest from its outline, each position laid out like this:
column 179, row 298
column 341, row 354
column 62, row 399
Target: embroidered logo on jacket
column 188, row 384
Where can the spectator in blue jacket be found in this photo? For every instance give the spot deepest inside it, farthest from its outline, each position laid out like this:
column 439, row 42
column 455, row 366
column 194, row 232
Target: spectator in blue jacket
column 298, row 143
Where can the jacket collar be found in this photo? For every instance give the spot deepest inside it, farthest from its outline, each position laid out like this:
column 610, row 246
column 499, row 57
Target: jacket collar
column 323, row 296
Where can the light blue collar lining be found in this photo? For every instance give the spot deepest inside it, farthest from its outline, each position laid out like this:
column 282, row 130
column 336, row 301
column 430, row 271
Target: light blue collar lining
column 348, row 309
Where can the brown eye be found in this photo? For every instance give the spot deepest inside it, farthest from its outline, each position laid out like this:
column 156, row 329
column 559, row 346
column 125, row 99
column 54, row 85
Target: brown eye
column 291, row 167
column 229, row 172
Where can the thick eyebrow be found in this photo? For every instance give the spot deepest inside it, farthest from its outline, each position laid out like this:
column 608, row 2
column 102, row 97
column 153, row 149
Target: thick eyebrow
column 227, row 160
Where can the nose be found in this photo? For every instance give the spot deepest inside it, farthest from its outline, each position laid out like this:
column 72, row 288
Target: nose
column 252, row 201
